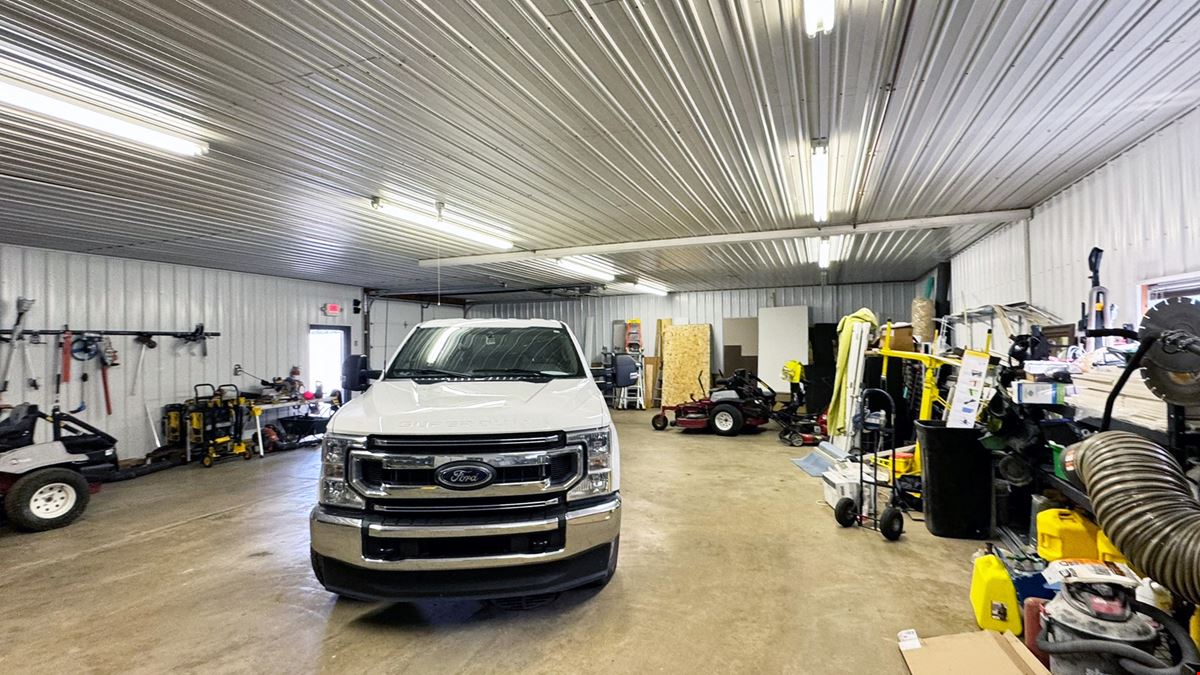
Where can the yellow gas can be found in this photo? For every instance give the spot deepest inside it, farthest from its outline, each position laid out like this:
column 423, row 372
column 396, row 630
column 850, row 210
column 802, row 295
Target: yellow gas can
column 994, row 596
column 1063, row 533
column 1106, row 550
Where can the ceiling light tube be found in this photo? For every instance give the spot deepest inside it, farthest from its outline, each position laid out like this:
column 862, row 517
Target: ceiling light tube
column 820, row 184
column 819, row 16
column 16, row 94
column 585, row 270
column 649, row 287
column 431, row 222
column 823, row 254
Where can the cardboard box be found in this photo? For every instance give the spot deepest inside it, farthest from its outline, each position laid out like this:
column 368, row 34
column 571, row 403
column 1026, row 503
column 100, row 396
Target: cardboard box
column 838, row 483
column 978, row 653
column 902, row 337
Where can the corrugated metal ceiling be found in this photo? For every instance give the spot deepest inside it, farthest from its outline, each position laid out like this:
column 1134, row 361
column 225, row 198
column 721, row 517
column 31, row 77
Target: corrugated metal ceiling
column 573, row 123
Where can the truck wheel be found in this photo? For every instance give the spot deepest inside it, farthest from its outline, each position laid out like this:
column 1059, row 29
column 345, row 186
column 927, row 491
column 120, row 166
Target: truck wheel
column 46, row 499
column 659, row 422
column 846, row 512
column 727, row 420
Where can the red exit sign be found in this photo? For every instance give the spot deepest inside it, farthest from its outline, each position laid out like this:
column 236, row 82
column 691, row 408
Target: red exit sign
column 331, row 309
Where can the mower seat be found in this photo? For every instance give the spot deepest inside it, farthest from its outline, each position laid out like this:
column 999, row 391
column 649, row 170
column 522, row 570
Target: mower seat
column 16, row 430
column 85, row 444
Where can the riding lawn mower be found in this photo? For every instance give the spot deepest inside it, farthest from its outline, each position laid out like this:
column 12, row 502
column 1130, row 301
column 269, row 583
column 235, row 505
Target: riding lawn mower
column 741, row 400
column 48, row 485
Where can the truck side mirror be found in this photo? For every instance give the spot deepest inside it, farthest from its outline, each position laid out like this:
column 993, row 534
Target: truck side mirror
column 356, row 373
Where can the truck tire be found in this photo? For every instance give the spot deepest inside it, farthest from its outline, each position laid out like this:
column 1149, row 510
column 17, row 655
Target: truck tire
column 46, row 499
column 726, row 420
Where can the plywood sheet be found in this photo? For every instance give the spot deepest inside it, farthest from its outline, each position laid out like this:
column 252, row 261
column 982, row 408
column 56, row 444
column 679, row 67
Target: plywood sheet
column 659, row 327
column 687, row 353
column 651, row 379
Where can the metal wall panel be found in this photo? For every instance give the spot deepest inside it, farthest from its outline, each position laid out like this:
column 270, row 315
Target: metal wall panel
column 591, row 317
column 1143, row 209
column 991, row 271
column 263, row 323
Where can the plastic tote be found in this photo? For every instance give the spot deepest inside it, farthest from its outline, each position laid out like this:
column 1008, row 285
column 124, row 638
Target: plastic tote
column 956, row 476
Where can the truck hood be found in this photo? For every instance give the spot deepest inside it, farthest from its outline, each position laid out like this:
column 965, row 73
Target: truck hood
column 488, row 407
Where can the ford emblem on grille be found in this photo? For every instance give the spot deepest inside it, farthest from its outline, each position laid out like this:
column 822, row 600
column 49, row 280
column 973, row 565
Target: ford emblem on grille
column 465, row 475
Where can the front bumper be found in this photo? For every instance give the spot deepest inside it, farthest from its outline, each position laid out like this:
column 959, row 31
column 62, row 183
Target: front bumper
column 341, row 565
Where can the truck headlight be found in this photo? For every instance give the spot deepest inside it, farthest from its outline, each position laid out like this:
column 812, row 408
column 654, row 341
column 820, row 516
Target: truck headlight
column 598, row 462
column 335, row 491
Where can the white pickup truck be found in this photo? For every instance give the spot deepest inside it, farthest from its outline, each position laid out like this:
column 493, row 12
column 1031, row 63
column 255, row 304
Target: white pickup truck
column 482, row 463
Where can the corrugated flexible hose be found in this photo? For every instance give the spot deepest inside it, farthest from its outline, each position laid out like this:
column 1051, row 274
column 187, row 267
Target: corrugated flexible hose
column 1145, row 505
column 1147, row 508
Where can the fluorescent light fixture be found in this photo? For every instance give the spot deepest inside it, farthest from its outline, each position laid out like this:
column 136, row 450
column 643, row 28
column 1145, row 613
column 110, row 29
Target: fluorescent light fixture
column 819, row 16
column 649, row 287
column 820, row 184
column 430, row 221
column 585, row 268
column 45, row 100
column 824, row 251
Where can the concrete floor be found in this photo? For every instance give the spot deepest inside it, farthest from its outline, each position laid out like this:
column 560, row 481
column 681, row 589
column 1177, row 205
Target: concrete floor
column 729, row 563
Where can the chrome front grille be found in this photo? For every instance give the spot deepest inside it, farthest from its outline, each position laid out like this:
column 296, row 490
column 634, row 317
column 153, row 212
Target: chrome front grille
column 405, row 466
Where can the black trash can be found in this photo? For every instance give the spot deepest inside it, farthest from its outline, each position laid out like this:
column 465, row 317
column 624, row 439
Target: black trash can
column 956, row 476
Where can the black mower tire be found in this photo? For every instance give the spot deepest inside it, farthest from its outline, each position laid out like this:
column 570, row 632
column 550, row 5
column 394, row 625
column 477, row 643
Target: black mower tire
column 659, row 422
column 17, row 502
column 738, row 420
column 891, row 523
column 845, row 512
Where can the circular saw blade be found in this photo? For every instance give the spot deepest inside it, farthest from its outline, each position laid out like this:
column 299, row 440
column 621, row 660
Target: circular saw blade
column 1171, row 314
column 1176, row 388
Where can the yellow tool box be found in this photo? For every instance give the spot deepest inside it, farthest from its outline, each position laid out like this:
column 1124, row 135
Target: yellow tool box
column 1063, row 533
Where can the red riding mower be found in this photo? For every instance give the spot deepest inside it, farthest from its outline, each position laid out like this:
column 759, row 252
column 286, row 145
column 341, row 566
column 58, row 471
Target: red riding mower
column 738, row 402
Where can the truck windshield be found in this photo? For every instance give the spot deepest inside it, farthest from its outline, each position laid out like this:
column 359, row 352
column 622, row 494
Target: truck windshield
column 466, row 351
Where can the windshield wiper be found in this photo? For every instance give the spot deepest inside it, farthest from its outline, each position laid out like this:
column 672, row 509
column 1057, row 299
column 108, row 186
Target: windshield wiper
column 541, row 374
column 425, row 372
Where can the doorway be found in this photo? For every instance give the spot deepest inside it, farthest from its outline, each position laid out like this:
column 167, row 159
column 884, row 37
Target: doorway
column 328, row 347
